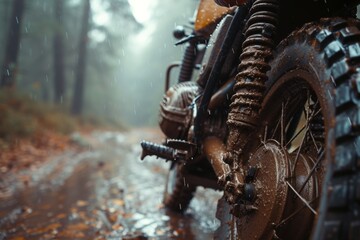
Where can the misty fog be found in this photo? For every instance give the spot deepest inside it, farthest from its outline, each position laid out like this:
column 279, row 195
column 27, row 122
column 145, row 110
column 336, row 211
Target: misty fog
column 146, row 54
column 129, row 45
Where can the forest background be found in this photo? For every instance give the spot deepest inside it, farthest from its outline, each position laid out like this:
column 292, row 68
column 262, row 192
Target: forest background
column 99, row 59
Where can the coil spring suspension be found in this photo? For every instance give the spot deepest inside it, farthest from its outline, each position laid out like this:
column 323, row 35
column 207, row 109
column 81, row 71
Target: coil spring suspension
column 188, row 62
column 250, row 81
column 248, row 92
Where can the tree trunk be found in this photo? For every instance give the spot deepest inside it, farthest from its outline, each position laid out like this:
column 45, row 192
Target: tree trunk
column 59, row 76
column 78, row 98
column 12, row 44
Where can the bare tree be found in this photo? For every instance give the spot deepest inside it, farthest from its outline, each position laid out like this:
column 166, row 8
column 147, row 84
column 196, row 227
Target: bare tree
column 78, row 98
column 8, row 70
column 59, row 74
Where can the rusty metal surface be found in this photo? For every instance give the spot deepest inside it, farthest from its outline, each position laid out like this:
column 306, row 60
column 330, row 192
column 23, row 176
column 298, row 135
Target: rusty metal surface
column 215, row 150
column 274, row 201
column 212, row 82
column 309, row 189
column 249, row 87
column 271, row 192
column 250, row 80
column 283, row 177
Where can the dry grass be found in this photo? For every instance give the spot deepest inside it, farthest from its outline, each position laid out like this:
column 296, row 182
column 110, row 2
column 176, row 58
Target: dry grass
column 21, row 117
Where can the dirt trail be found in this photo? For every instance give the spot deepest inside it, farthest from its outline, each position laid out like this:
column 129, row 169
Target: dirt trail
column 105, row 192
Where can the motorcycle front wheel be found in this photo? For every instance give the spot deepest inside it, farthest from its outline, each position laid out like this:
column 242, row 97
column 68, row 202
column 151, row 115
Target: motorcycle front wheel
column 305, row 153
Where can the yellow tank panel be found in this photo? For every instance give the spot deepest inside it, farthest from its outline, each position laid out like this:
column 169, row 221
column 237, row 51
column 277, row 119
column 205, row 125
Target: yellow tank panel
column 208, row 13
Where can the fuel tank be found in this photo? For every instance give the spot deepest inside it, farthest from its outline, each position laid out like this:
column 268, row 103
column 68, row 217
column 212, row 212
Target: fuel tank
column 208, row 15
column 230, row 3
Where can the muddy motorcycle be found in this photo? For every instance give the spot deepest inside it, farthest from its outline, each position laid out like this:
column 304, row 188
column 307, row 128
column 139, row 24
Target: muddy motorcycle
column 272, row 120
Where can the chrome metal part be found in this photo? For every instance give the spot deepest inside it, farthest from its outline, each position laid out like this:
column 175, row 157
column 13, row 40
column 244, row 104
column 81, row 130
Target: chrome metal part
column 168, row 73
column 175, row 111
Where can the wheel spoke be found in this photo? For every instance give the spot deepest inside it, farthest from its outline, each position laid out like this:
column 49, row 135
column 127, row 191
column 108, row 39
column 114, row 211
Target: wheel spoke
column 310, row 132
column 281, row 122
column 321, row 155
column 301, row 198
column 282, row 132
column 234, row 228
column 293, row 129
column 302, row 129
column 294, row 214
column 298, row 153
column 275, row 130
column 265, row 134
column 309, row 117
column 313, row 140
column 296, row 135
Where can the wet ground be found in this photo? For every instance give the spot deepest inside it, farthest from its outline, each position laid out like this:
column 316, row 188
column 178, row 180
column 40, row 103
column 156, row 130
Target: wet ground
column 105, row 192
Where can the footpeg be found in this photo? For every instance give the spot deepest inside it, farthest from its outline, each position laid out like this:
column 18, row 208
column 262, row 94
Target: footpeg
column 161, row 151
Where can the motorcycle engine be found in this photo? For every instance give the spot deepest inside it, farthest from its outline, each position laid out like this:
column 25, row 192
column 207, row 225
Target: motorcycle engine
column 175, row 110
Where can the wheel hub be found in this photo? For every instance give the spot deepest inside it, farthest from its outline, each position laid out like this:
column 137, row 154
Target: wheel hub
column 270, row 172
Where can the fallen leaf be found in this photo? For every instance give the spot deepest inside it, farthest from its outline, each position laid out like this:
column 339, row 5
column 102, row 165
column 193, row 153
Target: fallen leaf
column 81, row 203
column 71, row 234
column 160, row 232
column 118, row 202
column 78, row 227
column 17, row 238
column 117, row 227
column 46, row 229
column 112, row 217
column 61, row 216
column 127, row 215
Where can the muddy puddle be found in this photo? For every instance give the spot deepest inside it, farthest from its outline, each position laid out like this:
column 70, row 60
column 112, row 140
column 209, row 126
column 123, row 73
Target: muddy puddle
column 103, row 193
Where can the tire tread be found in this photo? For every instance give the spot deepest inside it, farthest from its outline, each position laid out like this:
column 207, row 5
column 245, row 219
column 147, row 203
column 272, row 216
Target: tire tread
column 337, row 40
